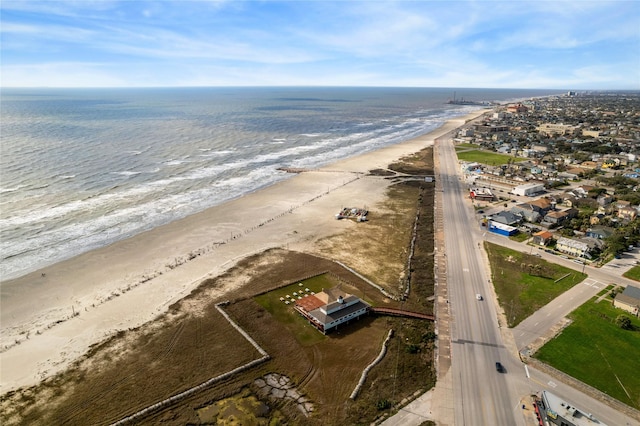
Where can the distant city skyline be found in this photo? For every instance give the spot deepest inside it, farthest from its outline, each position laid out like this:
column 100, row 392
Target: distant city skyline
column 568, row 45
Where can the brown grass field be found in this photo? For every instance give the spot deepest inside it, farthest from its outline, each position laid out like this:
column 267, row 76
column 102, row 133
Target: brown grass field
column 193, row 342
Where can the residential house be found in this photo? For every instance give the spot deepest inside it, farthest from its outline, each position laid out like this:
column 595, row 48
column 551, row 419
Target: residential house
column 566, row 176
column 557, row 217
column 526, row 212
column 629, row 300
column 600, row 232
column 569, row 200
column 578, row 248
column 595, row 218
column 542, row 238
column 578, row 192
column 533, row 211
column 506, row 218
column 604, row 199
column 627, row 213
column 622, row 203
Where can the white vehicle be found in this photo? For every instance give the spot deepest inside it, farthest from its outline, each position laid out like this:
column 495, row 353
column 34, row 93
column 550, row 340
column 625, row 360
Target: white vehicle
column 479, row 296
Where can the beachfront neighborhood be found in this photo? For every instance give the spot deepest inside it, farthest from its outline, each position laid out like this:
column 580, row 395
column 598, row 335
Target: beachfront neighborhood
column 567, row 175
column 486, row 278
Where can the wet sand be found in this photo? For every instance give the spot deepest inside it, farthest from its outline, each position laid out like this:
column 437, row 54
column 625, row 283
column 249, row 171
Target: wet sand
column 51, row 317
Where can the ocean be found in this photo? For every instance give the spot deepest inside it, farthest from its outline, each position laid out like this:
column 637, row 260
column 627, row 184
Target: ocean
column 83, row 168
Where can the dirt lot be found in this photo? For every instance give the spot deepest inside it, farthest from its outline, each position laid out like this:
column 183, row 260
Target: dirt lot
column 193, row 342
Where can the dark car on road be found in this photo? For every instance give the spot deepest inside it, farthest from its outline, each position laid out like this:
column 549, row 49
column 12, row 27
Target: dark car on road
column 499, row 367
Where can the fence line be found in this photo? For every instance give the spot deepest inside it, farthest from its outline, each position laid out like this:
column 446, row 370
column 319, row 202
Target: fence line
column 368, row 368
column 202, row 386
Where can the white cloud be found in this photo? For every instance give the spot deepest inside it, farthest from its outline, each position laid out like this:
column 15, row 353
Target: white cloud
column 63, row 74
column 425, row 43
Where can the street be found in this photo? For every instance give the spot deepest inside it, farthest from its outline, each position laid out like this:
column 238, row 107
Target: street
column 471, row 391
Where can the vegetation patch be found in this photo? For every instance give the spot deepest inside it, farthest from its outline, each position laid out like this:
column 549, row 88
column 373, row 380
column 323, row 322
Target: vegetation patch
column 598, row 351
column 519, row 237
column 633, row 273
column 524, row 283
column 275, row 302
column 243, row 409
column 487, row 157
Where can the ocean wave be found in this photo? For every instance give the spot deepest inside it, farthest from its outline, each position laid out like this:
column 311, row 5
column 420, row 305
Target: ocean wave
column 13, row 189
column 126, row 173
column 77, row 237
column 112, row 178
column 217, row 153
column 174, row 162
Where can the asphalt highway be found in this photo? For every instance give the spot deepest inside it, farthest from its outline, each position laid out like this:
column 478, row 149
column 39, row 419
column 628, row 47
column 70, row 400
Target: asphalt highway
column 471, row 391
column 483, row 395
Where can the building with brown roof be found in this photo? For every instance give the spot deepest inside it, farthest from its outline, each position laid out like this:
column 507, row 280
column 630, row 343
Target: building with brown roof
column 542, row 238
column 329, row 308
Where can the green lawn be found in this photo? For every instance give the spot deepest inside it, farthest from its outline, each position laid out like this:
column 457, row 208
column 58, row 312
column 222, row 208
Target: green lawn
column 595, row 350
column 520, row 237
column 633, row 273
column 286, row 315
column 524, row 283
column 486, row 157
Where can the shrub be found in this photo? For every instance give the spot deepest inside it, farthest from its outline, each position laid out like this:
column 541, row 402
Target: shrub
column 624, row 322
column 383, row 404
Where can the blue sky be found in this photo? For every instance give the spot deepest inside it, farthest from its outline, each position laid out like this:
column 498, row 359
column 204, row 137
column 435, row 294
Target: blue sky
column 503, row 44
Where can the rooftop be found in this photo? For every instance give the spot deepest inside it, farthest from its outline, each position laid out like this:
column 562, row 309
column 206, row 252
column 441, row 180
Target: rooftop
column 556, row 406
column 632, row 291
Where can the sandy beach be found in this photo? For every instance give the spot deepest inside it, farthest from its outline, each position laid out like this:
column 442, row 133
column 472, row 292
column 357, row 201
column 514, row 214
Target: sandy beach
column 51, row 317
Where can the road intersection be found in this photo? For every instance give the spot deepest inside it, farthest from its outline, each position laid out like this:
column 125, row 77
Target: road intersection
column 473, row 334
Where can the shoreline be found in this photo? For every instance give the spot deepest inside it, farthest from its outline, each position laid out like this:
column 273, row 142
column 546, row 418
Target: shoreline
column 52, row 316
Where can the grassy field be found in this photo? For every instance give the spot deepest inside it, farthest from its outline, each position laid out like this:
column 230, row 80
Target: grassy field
column 486, row 157
column 633, row 273
column 525, row 283
column 520, row 237
column 595, row 350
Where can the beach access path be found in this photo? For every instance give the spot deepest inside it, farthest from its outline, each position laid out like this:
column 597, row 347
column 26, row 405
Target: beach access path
column 51, row 317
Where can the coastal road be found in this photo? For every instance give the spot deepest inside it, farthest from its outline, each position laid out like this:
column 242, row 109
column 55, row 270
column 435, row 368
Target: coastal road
column 483, row 396
column 478, row 395
column 469, row 390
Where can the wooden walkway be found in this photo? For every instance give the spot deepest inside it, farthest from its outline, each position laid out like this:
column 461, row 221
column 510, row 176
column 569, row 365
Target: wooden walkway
column 401, row 313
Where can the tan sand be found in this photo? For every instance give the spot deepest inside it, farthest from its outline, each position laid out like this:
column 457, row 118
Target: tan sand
column 51, row 317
